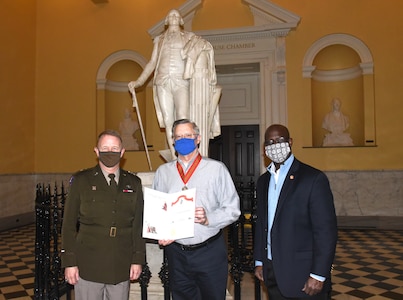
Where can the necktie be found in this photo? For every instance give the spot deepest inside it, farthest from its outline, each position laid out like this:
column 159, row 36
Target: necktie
column 112, row 182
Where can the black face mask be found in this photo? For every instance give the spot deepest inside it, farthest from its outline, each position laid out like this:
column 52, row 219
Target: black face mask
column 109, row 158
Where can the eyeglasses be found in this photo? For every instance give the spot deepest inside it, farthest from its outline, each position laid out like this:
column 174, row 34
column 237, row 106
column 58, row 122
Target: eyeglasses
column 185, row 136
column 276, row 141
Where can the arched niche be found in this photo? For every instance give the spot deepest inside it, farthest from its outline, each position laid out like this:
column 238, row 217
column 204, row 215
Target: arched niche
column 341, row 66
column 114, row 102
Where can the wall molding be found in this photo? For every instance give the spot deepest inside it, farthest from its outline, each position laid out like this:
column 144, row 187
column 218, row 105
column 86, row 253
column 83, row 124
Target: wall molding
column 367, row 64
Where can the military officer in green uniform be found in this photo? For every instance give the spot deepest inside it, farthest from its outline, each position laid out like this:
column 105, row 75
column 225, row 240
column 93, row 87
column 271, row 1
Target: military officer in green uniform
column 102, row 246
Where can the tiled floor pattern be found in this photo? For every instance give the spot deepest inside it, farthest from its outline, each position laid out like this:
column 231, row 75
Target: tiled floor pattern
column 368, row 265
column 17, row 263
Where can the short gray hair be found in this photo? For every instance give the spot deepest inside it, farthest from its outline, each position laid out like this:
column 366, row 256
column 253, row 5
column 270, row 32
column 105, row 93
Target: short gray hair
column 185, row 121
column 110, row 132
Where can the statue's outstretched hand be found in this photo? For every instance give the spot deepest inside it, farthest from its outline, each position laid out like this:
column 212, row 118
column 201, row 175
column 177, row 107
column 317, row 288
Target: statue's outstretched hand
column 132, row 86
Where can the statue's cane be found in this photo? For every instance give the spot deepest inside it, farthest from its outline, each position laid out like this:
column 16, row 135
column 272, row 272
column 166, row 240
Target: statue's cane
column 136, row 105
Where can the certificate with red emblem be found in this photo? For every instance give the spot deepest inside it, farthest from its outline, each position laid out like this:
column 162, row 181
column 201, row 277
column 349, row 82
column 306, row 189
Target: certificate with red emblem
column 168, row 216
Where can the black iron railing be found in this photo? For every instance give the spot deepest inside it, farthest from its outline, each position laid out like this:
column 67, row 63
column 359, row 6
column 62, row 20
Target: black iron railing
column 49, row 277
column 240, row 239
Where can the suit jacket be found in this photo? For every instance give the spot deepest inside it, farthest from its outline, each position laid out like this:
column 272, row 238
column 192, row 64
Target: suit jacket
column 102, row 227
column 304, row 231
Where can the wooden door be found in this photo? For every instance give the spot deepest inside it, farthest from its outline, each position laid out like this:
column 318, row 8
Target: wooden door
column 238, row 147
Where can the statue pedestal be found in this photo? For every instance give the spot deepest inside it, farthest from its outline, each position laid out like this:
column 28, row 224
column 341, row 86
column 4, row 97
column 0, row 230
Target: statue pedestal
column 155, row 257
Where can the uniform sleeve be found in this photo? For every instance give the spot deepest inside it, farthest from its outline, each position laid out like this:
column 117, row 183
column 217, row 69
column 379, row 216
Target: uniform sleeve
column 69, row 226
column 139, row 252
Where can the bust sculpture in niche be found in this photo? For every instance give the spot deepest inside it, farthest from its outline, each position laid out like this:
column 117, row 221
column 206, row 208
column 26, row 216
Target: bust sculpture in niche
column 336, row 123
column 127, row 128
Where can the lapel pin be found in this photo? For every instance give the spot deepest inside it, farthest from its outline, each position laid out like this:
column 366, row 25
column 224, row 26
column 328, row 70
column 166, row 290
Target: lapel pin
column 94, row 187
column 291, row 177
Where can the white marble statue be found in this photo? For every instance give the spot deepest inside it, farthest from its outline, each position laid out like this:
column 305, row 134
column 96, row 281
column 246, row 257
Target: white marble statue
column 184, row 81
column 204, row 93
column 127, row 128
column 336, row 123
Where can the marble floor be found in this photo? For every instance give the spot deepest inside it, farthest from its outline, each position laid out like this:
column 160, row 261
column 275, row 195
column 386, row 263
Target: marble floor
column 368, row 265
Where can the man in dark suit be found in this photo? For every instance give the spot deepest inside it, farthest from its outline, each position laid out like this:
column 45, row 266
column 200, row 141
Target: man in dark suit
column 296, row 226
column 102, row 246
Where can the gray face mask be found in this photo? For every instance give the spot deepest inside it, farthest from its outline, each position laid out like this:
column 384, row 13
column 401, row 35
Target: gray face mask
column 278, row 152
column 109, row 158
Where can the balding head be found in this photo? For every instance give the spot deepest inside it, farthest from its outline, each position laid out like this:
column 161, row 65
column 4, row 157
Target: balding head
column 276, row 131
